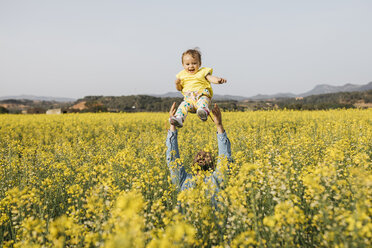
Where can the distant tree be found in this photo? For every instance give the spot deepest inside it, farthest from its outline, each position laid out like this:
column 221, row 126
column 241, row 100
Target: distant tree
column 36, row 110
column 95, row 106
column 3, row 110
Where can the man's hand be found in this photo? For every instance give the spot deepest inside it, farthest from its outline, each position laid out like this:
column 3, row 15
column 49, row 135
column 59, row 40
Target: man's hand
column 172, row 112
column 218, row 118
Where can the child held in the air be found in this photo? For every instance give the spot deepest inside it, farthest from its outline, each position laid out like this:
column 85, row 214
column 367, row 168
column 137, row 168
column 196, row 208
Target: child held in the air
column 195, row 84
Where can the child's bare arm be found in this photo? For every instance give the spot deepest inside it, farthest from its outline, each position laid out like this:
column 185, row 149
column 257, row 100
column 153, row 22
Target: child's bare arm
column 178, row 84
column 215, row 80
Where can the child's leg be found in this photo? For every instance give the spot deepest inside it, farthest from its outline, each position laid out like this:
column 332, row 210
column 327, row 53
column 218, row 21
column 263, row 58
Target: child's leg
column 185, row 107
column 203, row 102
column 203, row 107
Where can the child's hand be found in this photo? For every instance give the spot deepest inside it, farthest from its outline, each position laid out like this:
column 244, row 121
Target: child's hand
column 178, row 84
column 215, row 80
column 221, row 81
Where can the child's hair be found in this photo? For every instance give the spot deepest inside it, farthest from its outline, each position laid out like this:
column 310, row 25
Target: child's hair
column 195, row 53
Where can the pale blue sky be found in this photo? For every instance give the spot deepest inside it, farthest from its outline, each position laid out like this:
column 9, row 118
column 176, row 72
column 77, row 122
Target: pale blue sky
column 76, row 48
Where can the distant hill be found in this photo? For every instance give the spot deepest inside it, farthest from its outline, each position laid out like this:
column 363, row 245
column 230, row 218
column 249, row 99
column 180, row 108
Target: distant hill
column 326, row 89
column 168, row 94
column 349, row 99
column 38, row 98
column 229, row 97
column 317, row 90
column 274, row 96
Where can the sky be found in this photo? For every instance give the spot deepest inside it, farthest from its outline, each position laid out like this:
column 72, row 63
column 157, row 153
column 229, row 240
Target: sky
column 75, row 48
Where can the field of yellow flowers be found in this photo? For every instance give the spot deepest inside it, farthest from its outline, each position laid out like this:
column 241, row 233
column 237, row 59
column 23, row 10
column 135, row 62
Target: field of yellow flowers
column 299, row 179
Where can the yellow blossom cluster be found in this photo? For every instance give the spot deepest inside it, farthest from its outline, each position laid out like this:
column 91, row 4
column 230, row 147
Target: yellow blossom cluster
column 298, row 179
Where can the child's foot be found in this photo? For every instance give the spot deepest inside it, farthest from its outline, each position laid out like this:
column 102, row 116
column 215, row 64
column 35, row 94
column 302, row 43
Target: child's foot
column 176, row 121
column 202, row 113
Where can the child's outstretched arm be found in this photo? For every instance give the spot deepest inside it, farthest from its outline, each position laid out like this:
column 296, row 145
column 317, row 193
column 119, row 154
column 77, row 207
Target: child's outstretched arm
column 215, row 80
column 178, row 84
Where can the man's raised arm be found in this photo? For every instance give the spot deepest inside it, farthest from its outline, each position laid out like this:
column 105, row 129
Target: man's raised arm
column 224, row 146
column 177, row 171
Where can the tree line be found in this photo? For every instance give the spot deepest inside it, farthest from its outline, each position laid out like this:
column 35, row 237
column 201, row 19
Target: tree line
column 145, row 103
column 327, row 101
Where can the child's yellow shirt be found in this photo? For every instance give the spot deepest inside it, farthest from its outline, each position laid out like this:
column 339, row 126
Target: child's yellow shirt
column 196, row 82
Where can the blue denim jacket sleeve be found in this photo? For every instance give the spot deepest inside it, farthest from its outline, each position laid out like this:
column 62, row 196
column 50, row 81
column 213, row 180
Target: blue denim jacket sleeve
column 224, row 146
column 177, row 171
column 224, row 150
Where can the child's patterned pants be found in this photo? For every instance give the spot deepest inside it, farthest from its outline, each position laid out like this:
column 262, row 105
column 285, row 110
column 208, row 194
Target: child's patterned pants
column 191, row 102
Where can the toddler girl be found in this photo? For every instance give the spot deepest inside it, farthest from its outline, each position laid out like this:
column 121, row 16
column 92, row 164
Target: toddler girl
column 195, row 84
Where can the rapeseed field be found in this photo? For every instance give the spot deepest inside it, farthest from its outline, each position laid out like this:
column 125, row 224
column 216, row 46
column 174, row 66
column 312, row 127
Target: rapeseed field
column 299, row 179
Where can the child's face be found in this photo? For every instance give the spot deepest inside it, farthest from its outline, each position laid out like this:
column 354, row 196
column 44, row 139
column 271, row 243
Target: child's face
column 190, row 64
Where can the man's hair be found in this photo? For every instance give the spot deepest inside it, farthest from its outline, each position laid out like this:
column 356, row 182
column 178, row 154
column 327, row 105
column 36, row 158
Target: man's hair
column 195, row 53
column 204, row 160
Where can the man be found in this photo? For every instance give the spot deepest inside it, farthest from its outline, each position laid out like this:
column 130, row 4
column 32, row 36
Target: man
column 203, row 160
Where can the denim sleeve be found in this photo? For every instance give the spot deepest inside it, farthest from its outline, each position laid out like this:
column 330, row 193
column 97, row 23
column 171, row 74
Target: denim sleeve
column 224, row 146
column 177, row 171
column 224, row 150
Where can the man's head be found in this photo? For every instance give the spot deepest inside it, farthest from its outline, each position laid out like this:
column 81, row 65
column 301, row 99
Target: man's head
column 204, row 161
